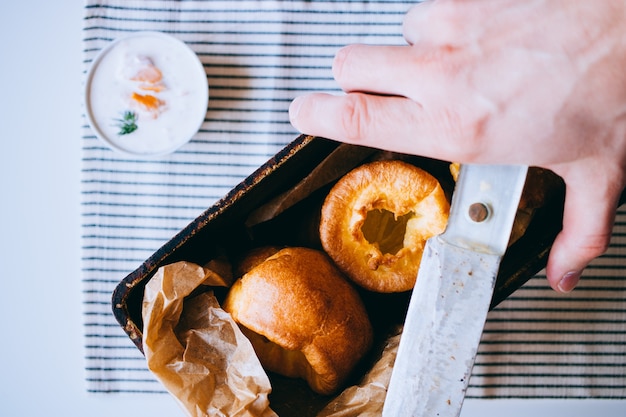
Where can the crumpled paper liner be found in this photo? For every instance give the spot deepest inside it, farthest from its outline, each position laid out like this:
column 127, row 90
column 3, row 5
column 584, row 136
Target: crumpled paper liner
column 196, row 349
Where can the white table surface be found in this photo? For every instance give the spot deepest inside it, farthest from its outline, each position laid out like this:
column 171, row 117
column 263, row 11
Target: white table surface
column 41, row 350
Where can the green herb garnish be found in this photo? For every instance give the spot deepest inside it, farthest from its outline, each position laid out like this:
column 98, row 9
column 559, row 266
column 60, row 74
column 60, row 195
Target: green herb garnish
column 128, row 123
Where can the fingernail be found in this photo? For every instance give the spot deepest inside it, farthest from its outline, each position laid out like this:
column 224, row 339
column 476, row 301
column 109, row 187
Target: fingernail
column 569, row 281
column 294, row 108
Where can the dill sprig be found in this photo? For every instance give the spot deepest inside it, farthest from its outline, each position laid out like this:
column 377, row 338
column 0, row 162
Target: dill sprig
column 128, row 123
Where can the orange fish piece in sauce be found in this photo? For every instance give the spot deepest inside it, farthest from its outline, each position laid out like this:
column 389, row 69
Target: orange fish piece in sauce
column 148, row 102
column 150, row 76
column 152, row 87
column 149, row 79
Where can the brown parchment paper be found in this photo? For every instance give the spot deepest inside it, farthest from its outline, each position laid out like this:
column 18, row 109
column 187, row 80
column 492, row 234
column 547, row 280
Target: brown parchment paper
column 196, row 349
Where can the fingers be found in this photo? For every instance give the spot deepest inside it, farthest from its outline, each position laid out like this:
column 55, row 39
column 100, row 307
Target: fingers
column 588, row 218
column 357, row 118
column 400, row 114
column 416, row 19
column 424, row 75
column 388, row 122
column 452, row 22
column 442, row 21
column 396, row 69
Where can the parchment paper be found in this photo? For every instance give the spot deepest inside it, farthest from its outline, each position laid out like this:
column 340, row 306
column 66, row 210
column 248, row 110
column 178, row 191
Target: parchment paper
column 196, row 349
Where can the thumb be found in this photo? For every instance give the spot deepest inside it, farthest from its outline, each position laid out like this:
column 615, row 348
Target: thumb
column 588, row 218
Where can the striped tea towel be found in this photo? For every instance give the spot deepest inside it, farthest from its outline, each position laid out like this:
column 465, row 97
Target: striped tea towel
column 258, row 56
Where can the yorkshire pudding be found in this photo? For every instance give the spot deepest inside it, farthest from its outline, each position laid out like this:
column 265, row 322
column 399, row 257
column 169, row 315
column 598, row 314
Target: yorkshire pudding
column 375, row 222
column 304, row 319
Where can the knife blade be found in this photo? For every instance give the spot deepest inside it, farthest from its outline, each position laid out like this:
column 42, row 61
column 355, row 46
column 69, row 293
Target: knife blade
column 451, row 297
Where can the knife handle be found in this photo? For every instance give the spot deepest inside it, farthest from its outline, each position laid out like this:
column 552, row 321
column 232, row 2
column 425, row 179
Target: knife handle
column 484, row 205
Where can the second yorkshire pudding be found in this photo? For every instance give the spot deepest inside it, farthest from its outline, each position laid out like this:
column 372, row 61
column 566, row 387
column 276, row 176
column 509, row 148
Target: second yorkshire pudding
column 375, row 222
column 304, row 319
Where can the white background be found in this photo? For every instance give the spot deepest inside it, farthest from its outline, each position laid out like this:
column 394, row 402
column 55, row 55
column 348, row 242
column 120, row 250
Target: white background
column 41, row 344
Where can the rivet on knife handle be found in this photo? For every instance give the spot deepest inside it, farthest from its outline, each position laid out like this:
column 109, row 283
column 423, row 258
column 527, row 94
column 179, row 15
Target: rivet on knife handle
column 452, row 294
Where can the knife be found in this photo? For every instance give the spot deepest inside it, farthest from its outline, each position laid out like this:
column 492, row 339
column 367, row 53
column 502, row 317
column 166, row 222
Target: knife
column 451, row 297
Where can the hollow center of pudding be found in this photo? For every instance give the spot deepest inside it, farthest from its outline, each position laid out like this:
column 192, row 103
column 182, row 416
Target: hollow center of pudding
column 383, row 229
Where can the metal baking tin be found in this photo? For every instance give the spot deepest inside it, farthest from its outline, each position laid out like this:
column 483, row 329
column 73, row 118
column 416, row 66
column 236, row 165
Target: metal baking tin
column 222, row 229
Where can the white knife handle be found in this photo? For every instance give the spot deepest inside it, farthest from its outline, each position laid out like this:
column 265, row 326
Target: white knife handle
column 484, row 190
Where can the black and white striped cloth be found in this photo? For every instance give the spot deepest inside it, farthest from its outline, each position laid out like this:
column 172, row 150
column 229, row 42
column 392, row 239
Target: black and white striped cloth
column 258, row 56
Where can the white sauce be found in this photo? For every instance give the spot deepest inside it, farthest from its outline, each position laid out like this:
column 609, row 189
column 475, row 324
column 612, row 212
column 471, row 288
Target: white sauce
column 183, row 94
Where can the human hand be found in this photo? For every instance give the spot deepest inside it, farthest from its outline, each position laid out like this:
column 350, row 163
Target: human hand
column 538, row 83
